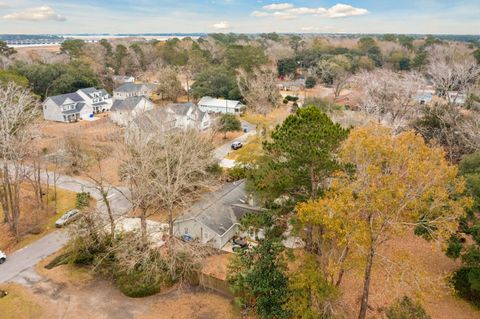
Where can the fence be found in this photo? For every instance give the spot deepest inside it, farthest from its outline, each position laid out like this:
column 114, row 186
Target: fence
column 215, row 284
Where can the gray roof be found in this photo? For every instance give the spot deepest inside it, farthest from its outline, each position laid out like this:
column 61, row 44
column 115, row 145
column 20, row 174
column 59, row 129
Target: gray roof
column 60, row 99
column 131, row 87
column 156, row 119
column 89, row 91
column 181, row 108
column 222, row 209
column 128, row 104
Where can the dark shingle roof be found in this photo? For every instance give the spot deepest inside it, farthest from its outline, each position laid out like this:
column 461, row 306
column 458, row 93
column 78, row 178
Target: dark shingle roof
column 222, row 209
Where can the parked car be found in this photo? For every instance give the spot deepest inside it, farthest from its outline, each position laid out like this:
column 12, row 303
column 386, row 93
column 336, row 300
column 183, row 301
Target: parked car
column 3, row 257
column 67, row 218
column 236, row 145
column 239, row 244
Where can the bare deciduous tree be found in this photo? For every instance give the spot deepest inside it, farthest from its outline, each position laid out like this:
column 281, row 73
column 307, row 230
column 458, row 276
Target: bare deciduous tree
column 259, row 89
column 389, row 96
column 455, row 129
column 335, row 71
column 452, row 68
column 18, row 110
column 166, row 170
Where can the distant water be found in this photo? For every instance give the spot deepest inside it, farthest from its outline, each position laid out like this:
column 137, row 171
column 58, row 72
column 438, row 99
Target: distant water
column 25, row 40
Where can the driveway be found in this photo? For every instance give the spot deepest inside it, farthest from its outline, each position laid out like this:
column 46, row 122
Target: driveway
column 222, row 151
column 19, row 266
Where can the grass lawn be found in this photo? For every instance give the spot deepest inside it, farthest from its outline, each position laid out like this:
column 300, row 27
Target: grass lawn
column 268, row 121
column 19, row 303
column 249, row 153
column 72, row 275
column 66, row 201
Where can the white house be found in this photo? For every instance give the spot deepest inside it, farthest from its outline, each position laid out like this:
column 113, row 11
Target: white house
column 125, row 110
column 142, row 127
column 425, row 96
column 130, row 89
column 76, row 106
column 215, row 219
column 120, row 79
column 188, row 115
column 66, row 108
column 212, row 105
column 100, row 100
column 456, row 97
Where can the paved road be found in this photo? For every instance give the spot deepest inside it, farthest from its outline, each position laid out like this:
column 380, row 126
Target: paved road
column 222, row 151
column 20, row 264
column 26, row 258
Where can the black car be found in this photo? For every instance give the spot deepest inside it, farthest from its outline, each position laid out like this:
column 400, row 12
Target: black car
column 239, row 244
column 236, row 145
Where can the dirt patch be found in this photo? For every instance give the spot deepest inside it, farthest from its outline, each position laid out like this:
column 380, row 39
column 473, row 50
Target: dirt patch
column 100, row 134
column 425, row 280
column 196, row 304
column 72, row 293
column 217, row 266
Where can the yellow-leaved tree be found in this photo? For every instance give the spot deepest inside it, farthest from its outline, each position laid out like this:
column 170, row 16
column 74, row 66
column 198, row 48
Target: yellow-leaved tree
column 397, row 183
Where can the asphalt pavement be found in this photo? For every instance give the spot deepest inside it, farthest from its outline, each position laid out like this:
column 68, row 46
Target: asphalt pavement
column 19, row 266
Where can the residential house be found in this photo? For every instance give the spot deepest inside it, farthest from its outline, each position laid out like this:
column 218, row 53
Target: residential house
column 212, row 105
column 123, row 111
column 188, row 115
column 141, row 127
column 130, row 89
column 215, row 219
column 425, row 96
column 120, row 79
column 66, row 108
column 76, row 106
column 456, row 97
column 296, row 85
column 100, row 100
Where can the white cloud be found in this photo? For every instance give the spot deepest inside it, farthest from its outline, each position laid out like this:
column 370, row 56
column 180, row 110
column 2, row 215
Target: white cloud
column 278, row 6
column 288, row 11
column 222, row 25
column 3, row 5
column 35, row 14
column 341, row 10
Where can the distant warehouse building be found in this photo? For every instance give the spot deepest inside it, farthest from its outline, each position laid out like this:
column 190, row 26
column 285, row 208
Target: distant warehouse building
column 213, row 105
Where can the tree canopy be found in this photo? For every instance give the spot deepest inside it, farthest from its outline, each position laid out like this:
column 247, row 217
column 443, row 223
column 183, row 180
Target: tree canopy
column 299, row 157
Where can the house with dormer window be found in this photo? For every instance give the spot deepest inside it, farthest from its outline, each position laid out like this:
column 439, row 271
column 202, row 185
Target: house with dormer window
column 80, row 105
column 100, row 100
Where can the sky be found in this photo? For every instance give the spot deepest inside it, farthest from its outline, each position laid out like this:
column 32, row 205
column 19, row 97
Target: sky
column 247, row 16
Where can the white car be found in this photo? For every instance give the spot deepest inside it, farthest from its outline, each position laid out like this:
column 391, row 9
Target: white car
column 3, row 257
column 67, row 218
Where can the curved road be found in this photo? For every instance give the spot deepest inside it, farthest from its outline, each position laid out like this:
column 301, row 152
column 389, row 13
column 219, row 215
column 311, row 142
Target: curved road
column 19, row 266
